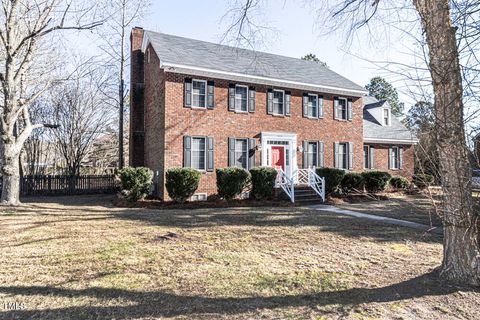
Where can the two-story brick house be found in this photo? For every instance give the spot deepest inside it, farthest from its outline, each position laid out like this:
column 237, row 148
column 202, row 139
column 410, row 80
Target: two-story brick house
column 206, row 106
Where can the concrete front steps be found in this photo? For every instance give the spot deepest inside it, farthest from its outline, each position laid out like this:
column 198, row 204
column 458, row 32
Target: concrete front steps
column 306, row 195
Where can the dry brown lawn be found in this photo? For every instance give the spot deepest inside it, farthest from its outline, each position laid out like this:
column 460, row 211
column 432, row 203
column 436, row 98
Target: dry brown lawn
column 82, row 258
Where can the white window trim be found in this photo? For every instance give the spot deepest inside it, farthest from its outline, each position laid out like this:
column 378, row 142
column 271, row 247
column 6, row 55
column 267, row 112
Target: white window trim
column 238, row 110
column 346, row 108
column 205, row 153
column 247, row 152
column 318, row 108
column 206, row 94
column 396, row 164
column 283, row 102
column 389, row 120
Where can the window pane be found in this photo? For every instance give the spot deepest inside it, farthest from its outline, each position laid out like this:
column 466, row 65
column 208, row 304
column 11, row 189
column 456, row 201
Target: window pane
column 198, row 94
column 241, row 94
column 312, row 106
column 342, row 109
column 342, row 156
column 241, row 153
column 366, row 157
column 278, row 102
column 311, row 154
column 198, row 153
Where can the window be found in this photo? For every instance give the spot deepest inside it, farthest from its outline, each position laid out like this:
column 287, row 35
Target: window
column 395, row 158
column 342, row 109
column 198, row 153
column 241, row 98
column 366, row 157
column 199, row 89
column 386, row 117
column 278, row 102
column 312, row 154
column 343, row 156
column 241, row 153
column 312, row 106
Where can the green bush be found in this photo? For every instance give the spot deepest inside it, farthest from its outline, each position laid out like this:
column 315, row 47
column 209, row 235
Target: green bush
column 181, row 183
column 376, row 181
column 333, row 178
column 423, row 180
column 352, row 182
column 231, row 182
column 263, row 182
column 136, row 182
column 399, row 183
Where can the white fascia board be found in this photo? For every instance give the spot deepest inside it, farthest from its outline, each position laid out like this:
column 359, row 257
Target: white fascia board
column 177, row 68
column 390, row 141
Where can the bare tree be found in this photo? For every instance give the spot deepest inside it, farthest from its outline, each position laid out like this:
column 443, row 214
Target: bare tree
column 446, row 40
column 26, row 58
column 78, row 107
column 122, row 14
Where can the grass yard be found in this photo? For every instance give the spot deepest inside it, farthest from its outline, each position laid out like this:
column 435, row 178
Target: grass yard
column 85, row 259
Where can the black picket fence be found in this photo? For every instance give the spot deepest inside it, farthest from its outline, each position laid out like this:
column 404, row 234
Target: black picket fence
column 46, row 185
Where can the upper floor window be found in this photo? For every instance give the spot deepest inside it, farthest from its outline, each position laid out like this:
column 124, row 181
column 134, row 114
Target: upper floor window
column 386, row 117
column 199, row 92
column 278, row 102
column 342, row 109
column 241, row 98
column 312, row 106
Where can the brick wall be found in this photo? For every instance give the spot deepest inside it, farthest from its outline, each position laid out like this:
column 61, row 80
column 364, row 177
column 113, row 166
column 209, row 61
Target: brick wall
column 222, row 124
column 381, row 160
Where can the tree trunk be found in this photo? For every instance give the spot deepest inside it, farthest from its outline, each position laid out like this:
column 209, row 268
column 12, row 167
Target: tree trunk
column 11, row 175
column 461, row 260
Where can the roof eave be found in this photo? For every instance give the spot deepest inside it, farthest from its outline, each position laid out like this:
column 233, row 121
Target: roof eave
column 412, row 141
column 219, row 74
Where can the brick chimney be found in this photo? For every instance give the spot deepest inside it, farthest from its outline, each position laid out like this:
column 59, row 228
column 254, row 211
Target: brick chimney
column 136, row 147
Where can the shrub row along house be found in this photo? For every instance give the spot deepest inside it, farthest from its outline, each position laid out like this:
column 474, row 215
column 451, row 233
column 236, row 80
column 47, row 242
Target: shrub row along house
column 205, row 106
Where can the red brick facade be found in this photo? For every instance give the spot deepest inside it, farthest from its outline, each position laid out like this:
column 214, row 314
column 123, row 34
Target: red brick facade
column 167, row 121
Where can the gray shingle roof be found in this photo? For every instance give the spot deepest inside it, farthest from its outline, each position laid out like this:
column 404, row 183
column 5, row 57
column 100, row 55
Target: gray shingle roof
column 374, row 130
column 194, row 53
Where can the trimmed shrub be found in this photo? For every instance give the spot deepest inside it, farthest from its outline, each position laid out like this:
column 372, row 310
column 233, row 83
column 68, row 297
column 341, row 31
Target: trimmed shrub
column 399, row 183
column 352, row 182
column 263, row 182
column 376, row 181
column 136, row 182
column 181, row 183
column 423, row 180
column 231, row 182
column 333, row 178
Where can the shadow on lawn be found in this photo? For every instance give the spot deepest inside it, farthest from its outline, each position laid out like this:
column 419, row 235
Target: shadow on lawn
column 165, row 304
column 276, row 217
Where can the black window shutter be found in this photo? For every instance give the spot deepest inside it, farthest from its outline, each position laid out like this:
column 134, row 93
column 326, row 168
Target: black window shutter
column 251, row 153
column 231, row 152
column 231, row 97
column 335, row 108
column 305, row 105
column 288, row 99
column 321, row 154
column 320, row 106
column 210, row 95
column 251, row 99
column 210, row 154
column 270, row 101
column 305, row 154
column 187, row 151
column 349, row 109
column 188, row 93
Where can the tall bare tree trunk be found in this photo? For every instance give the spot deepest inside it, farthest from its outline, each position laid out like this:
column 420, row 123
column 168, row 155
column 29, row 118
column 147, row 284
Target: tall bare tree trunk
column 461, row 260
column 11, row 174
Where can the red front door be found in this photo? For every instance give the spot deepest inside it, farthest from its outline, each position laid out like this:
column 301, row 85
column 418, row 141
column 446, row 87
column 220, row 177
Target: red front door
column 278, row 157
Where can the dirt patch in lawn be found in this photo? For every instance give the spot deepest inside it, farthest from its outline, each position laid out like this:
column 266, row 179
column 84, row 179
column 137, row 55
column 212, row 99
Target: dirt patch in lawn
column 86, row 259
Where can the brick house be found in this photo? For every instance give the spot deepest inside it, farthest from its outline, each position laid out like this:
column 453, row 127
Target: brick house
column 206, row 106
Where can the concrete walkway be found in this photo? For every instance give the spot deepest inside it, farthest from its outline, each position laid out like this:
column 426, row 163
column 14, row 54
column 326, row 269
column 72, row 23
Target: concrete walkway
column 398, row 222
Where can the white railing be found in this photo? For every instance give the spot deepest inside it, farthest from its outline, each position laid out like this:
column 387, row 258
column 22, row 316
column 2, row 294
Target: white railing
column 286, row 183
column 316, row 183
column 301, row 176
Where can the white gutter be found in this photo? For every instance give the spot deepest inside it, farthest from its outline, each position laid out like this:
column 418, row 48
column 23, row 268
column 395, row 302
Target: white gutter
column 173, row 67
column 390, row 141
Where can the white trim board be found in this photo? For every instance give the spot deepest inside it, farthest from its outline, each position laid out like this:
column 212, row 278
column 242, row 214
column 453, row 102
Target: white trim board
column 390, row 141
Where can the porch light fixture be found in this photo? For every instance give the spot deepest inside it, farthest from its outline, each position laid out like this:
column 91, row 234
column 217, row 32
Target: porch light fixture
column 258, row 147
column 300, row 149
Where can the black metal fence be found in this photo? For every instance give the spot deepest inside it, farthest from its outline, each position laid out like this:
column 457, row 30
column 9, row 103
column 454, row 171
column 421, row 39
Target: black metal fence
column 47, row 185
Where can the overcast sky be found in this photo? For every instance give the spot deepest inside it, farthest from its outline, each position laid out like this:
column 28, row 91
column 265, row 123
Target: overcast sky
column 296, row 36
